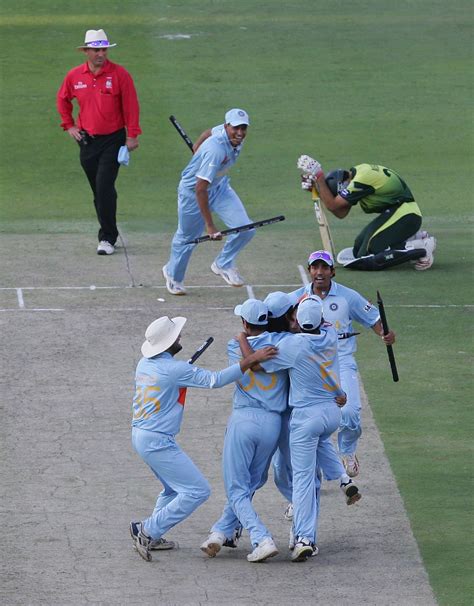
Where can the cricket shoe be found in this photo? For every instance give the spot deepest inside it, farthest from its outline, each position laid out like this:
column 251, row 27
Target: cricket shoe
column 289, row 512
column 351, row 492
column 105, row 248
column 213, row 544
column 429, row 244
column 264, row 550
column 302, row 550
column 173, row 287
column 233, row 542
column 291, row 544
column 230, row 274
column 141, row 541
column 162, row 545
column 351, row 465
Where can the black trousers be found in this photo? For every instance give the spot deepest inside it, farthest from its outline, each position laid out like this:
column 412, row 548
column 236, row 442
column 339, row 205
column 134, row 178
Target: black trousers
column 99, row 162
column 393, row 236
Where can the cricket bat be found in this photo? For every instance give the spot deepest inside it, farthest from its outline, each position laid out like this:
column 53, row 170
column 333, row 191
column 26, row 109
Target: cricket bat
column 323, row 224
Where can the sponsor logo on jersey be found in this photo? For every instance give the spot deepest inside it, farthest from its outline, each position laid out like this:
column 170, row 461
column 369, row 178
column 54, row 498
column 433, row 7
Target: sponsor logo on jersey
column 368, row 307
column 333, row 306
column 80, row 85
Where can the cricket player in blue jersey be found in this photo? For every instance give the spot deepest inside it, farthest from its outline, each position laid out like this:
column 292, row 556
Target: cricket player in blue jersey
column 250, row 441
column 205, row 188
column 342, row 305
column 280, row 311
column 158, row 407
column 315, row 398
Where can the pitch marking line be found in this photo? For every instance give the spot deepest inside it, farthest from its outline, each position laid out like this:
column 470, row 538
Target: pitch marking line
column 250, row 294
column 303, row 274
column 19, row 296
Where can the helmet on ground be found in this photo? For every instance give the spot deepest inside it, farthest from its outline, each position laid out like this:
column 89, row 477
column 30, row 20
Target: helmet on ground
column 336, row 178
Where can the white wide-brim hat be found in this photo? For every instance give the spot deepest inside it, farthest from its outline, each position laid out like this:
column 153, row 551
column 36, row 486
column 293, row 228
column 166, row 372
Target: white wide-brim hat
column 161, row 334
column 96, row 38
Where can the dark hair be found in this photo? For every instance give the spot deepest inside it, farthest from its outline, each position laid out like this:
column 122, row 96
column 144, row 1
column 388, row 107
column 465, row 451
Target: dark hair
column 257, row 326
column 280, row 324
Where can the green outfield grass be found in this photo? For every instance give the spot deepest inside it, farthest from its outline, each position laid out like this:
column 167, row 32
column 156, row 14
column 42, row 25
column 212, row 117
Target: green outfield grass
column 371, row 80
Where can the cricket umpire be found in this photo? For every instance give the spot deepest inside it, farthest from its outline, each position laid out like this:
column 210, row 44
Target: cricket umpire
column 108, row 119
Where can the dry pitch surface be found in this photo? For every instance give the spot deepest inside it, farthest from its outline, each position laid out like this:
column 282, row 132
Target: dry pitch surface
column 72, row 482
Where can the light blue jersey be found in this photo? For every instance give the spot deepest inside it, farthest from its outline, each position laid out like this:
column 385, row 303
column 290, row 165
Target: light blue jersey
column 212, row 161
column 268, row 391
column 159, row 394
column 312, row 365
column 340, row 306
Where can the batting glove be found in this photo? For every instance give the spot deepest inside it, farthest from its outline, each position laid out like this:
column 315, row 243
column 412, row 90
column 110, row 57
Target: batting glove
column 307, row 182
column 309, row 166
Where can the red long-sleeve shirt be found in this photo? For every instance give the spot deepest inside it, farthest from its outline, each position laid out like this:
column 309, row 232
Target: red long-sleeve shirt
column 107, row 100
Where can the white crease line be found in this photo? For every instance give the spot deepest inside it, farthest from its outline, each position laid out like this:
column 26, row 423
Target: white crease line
column 19, row 296
column 95, row 287
column 250, row 293
column 23, row 310
column 303, row 274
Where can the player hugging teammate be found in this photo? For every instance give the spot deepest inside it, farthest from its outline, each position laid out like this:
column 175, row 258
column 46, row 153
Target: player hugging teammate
column 296, row 384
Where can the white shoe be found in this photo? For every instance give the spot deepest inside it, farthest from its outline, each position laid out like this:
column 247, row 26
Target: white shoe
column 351, row 492
column 161, row 544
column 230, row 274
column 233, row 542
column 173, row 287
column 105, row 248
column 351, row 465
column 264, row 550
column 141, row 541
column 289, row 512
column 429, row 244
column 212, row 545
column 346, row 255
column 303, row 550
column 420, row 234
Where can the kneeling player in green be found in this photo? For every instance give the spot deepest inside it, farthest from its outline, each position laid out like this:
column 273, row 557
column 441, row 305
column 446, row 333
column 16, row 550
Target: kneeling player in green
column 394, row 236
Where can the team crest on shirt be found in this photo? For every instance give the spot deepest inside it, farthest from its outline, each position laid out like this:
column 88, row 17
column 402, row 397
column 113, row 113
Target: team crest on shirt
column 108, row 82
column 333, row 306
column 368, row 307
column 80, row 85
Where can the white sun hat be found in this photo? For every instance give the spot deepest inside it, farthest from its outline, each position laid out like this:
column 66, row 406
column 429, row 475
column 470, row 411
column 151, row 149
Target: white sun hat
column 161, row 334
column 96, row 38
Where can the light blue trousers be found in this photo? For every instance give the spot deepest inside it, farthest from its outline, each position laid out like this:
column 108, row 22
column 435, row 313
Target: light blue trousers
column 350, row 429
column 184, row 486
column 249, row 444
column 228, row 206
column 329, row 461
column 308, row 426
